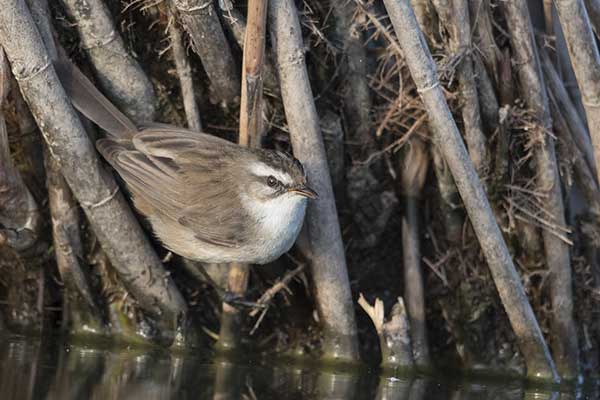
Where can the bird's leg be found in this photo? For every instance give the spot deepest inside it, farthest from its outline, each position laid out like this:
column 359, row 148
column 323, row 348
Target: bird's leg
column 227, row 296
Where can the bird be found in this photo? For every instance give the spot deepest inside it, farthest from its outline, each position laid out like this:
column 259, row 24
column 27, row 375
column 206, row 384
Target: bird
column 206, row 199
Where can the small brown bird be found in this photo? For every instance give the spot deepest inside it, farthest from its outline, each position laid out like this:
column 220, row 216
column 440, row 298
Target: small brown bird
column 206, row 198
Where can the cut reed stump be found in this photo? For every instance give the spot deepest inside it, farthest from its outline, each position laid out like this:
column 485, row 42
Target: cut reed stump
column 447, row 137
column 328, row 259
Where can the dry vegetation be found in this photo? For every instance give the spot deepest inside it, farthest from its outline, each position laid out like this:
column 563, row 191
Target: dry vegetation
column 509, row 83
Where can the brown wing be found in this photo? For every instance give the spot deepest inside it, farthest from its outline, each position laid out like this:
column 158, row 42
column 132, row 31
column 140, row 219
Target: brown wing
column 185, row 177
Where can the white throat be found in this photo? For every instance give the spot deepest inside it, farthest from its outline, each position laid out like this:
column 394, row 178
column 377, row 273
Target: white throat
column 278, row 221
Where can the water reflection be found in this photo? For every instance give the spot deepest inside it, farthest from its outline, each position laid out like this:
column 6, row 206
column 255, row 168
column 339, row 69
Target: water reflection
column 35, row 370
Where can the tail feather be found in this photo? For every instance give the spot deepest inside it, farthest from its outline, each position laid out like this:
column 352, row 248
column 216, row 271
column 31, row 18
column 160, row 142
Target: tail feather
column 91, row 103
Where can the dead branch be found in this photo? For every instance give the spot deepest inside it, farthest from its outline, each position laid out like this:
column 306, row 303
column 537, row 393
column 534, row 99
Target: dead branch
column 448, row 139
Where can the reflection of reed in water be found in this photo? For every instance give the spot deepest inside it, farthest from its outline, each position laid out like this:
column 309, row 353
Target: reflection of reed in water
column 54, row 370
column 77, row 373
column 336, row 386
column 228, row 380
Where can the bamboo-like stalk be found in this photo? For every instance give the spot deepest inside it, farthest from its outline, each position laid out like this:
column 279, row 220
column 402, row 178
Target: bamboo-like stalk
column 235, row 23
column 251, row 131
column 251, row 119
column 414, row 170
column 449, row 197
column 80, row 316
column 585, row 59
column 583, row 174
column 422, row 68
column 184, row 73
column 354, row 85
column 593, row 9
column 328, row 261
column 448, row 194
column 576, row 125
column 488, row 102
column 117, row 71
column 110, row 217
column 484, row 36
column 80, row 313
column 201, row 21
column 455, row 16
column 564, row 345
column 20, row 217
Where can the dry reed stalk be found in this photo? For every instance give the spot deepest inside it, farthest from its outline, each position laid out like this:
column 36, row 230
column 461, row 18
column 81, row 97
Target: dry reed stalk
column 447, row 137
column 425, row 13
column 328, row 261
column 593, row 9
column 251, row 118
column 20, row 218
column 484, row 36
column 568, row 110
column 80, row 307
column 80, row 313
column 117, row 71
column 488, row 103
column 236, row 25
column 251, row 131
column 354, row 86
column 583, row 174
column 564, row 344
column 201, row 21
column 454, row 14
column 111, row 218
column 585, row 59
column 184, row 73
column 414, row 171
column 449, row 197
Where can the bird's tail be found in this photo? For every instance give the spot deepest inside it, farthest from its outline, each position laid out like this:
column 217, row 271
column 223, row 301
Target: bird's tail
column 86, row 98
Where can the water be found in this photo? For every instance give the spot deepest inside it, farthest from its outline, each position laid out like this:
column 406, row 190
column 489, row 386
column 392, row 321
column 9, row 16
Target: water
column 30, row 369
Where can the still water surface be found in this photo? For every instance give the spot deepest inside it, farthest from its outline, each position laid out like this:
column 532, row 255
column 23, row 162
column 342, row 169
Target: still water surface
column 30, row 369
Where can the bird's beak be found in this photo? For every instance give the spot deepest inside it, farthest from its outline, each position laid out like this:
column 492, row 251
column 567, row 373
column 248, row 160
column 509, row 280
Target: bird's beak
column 305, row 191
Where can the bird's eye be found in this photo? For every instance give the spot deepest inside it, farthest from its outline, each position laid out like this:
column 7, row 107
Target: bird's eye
column 271, row 181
